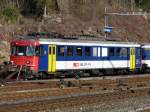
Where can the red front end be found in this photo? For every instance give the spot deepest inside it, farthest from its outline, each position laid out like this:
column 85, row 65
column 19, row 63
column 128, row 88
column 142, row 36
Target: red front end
column 25, row 53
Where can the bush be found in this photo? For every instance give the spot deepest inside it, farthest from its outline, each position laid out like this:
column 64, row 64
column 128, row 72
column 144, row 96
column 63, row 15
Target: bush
column 144, row 4
column 11, row 13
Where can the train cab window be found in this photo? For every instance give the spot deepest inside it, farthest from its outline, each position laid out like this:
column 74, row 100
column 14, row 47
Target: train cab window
column 61, row 51
column 79, row 51
column 19, row 50
column 87, row 51
column 30, row 51
column 95, row 51
column 69, row 51
column 37, row 50
column 111, row 51
column 13, row 50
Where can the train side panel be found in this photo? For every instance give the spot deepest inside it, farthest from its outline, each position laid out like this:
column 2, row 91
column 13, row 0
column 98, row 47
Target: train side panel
column 43, row 58
column 99, row 58
column 146, row 55
column 78, row 56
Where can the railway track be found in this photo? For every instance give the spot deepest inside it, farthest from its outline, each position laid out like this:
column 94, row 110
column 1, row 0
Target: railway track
column 43, row 95
column 54, row 103
column 106, row 83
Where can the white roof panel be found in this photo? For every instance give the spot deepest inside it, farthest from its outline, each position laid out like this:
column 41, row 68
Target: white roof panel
column 146, row 46
column 88, row 43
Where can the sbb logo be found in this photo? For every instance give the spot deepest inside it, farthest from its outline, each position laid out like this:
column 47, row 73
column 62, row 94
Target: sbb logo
column 76, row 64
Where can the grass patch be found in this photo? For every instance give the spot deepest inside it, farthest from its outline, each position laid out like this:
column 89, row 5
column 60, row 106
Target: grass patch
column 2, row 57
column 11, row 13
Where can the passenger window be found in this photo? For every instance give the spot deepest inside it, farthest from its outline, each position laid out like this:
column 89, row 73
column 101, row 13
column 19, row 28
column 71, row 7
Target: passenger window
column 69, row 51
column 79, row 51
column 119, row 52
column 111, row 51
column 61, row 51
column 139, row 52
column 104, row 52
column 87, row 51
column 95, row 51
column 99, row 51
column 124, row 52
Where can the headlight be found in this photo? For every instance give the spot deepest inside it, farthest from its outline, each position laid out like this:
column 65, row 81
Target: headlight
column 28, row 62
column 12, row 62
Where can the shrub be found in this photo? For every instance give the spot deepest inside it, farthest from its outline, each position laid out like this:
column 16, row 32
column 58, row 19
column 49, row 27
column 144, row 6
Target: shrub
column 144, row 4
column 11, row 13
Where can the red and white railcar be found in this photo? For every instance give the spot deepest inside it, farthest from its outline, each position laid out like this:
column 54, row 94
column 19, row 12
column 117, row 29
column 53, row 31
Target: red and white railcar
column 25, row 53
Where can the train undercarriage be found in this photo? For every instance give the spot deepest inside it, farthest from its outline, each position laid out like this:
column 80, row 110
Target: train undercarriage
column 9, row 71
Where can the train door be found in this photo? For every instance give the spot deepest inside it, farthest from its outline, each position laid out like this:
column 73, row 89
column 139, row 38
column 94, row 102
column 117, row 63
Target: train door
column 135, row 58
column 51, row 58
column 132, row 58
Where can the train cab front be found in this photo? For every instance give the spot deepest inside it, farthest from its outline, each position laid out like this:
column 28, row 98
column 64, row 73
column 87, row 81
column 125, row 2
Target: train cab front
column 25, row 53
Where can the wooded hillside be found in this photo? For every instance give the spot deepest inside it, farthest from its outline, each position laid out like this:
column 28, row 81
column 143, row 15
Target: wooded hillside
column 71, row 17
column 19, row 17
column 81, row 8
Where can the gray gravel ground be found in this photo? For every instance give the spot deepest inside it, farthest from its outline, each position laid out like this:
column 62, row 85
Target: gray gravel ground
column 125, row 105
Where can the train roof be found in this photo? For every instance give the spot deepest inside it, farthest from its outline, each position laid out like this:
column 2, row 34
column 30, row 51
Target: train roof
column 25, row 42
column 87, row 41
column 146, row 45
